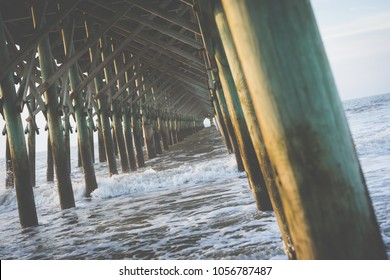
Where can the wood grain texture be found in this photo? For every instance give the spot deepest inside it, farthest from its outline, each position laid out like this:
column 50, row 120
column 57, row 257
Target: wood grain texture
column 306, row 135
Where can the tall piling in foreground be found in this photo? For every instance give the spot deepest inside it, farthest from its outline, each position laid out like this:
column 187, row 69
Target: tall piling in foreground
column 53, row 118
column 306, row 134
column 17, row 142
column 83, row 134
column 253, row 125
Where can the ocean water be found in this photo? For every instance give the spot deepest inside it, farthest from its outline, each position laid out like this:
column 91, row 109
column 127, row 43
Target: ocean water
column 189, row 203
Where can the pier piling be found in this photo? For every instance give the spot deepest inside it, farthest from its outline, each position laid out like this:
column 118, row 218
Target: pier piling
column 322, row 189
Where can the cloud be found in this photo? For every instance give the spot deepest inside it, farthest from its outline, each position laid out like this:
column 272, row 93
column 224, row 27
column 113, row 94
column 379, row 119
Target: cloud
column 360, row 25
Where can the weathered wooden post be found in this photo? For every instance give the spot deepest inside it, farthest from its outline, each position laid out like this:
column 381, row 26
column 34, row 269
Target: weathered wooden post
column 117, row 111
column 114, row 141
column 136, row 122
column 102, row 149
column 174, row 128
column 67, row 129
column 49, row 161
column 104, row 111
column 169, row 128
column 53, row 118
column 17, row 142
column 126, row 117
column 83, row 134
column 161, row 124
column 9, row 171
column 229, row 127
column 149, row 134
column 156, row 131
column 147, row 123
column 253, row 125
column 79, row 160
column 31, row 144
column 306, row 135
column 91, row 130
column 129, row 138
column 221, row 123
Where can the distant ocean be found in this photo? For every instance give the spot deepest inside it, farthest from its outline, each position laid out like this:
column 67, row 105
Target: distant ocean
column 189, row 203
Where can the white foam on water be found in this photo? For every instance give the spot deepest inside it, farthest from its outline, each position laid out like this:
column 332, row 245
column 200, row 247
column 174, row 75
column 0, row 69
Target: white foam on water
column 149, row 179
column 189, row 203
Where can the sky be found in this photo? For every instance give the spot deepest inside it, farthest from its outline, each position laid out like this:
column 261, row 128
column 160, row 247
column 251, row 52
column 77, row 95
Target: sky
column 356, row 35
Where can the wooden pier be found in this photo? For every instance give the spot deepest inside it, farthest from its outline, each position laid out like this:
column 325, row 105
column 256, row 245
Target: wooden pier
column 144, row 74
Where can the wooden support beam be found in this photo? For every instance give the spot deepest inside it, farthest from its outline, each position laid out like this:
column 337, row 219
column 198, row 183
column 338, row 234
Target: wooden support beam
column 83, row 134
column 171, row 17
column 126, row 118
column 99, row 68
column 40, row 35
column 22, row 91
column 222, row 125
column 151, row 24
column 253, row 125
column 142, row 91
column 104, row 113
column 9, row 171
column 240, row 127
column 54, row 120
column 17, row 142
column 102, row 149
column 117, row 113
column 32, row 129
column 158, row 45
column 82, row 50
column 49, row 161
column 130, row 82
column 324, row 195
column 137, row 132
column 229, row 127
column 67, row 130
column 120, row 74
